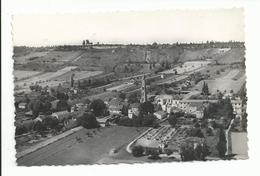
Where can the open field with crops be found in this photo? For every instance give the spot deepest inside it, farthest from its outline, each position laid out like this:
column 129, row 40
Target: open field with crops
column 225, row 83
column 54, row 78
column 21, row 74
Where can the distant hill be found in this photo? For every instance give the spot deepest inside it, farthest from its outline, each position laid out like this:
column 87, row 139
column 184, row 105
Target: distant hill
column 107, row 60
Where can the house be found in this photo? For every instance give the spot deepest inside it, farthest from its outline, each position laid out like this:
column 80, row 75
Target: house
column 160, row 114
column 115, row 106
column 29, row 114
column 133, row 110
column 173, row 103
column 237, row 107
column 22, row 105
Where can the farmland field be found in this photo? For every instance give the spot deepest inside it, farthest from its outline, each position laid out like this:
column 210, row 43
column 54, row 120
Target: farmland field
column 54, row 78
column 21, row 74
column 61, row 56
column 224, row 83
column 232, row 56
column 78, row 75
column 93, row 146
column 43, row 79
column 212, row 53
column 22, row 59
column 187, row 67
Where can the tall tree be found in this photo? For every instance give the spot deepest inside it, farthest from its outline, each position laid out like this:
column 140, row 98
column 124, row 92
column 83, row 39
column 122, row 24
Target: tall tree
column 88, row 120
column 98, row 106
column 221, row 146
column 146, row 108
column 205, row 89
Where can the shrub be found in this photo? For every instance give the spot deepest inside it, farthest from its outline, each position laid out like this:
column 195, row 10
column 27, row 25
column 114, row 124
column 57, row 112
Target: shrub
column 50, row 122
column 172, row 120
column 137, row 151
column 194, row 149
column 221, row 146
column 195, row 132
column 88, row 120
column 20, row 130
column 98, row 107
column 39, row 126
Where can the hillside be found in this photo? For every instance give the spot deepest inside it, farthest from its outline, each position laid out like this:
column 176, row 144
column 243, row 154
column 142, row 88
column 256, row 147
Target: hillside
column 118, row 59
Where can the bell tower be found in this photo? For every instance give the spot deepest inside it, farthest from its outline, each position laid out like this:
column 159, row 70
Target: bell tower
column 143, row 90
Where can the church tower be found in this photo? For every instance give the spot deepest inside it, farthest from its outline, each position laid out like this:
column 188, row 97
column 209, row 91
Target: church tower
column 72, row 80
column 143, row 90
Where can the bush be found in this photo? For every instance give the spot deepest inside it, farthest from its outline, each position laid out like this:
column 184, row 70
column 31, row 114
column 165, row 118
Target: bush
column 98, row 107
column 39, row 126
column 221, row 146
column 172, row 120
column 194, row 149
column 154, row 155
column 51, row 122
column 88, row 120
column 20, row 130
column 195, row 132
column 137, row 151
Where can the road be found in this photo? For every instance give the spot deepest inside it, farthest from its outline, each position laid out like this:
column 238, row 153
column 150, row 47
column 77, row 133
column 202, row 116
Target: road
column 82, row 147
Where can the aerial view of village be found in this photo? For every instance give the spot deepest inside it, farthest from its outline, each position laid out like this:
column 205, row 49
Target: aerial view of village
column 106, row 103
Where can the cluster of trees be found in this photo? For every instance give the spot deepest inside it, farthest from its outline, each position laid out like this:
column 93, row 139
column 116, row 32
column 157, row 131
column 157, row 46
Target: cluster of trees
column 140, row 121
column 197, row 77
column 98, row 107
column 145, row 117
column 133, row 98
column 137, row 151
column 173, row 118
column 223, row 108
column 47, row 123
column 36, row 88
column 194, row 149
column 205, row 89
column 88, row 120
column 40, row 105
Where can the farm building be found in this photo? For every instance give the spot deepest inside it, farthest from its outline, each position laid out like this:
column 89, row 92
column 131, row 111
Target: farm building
column 115, row 106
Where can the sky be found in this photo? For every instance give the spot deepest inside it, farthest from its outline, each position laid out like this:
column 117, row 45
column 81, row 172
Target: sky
column 143, row 27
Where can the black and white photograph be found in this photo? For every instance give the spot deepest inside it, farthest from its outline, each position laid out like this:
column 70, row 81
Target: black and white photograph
column 105, row 88
column 110, row 87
